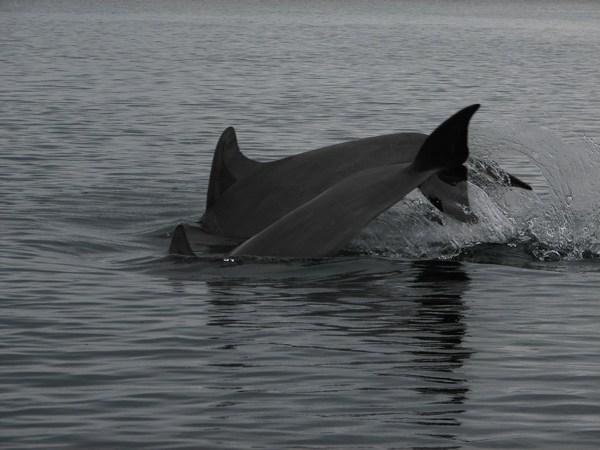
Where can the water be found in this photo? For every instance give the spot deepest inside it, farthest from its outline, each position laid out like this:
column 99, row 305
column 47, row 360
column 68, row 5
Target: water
column 420, row 336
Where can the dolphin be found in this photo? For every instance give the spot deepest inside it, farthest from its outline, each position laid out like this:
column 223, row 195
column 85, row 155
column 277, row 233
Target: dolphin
column 245, row 196
column 325, row 224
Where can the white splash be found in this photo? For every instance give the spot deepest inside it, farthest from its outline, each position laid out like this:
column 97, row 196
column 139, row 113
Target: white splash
column 560, row 218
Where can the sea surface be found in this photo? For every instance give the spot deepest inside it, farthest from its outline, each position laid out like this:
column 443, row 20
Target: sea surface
column 424, row 334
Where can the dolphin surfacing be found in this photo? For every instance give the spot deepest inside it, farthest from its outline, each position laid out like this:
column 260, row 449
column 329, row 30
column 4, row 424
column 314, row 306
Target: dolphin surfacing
column 239, row 206
column 247, row 197
column 325, row 224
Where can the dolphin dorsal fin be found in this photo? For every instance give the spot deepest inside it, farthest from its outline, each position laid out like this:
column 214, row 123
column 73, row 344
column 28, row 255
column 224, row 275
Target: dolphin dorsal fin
column 447, row 146
column 228, row 166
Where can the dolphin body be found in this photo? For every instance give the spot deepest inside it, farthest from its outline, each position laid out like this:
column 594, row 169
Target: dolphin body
column 313, row 203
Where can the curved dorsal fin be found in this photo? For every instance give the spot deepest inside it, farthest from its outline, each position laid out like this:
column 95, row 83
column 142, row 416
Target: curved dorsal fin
column 228, row 166
column 447, row 146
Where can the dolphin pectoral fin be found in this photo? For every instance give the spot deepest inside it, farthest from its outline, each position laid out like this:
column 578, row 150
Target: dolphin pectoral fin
column 228, row 166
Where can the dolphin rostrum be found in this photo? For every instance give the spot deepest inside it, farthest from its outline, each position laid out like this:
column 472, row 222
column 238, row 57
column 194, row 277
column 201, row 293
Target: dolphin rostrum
column 245, row 196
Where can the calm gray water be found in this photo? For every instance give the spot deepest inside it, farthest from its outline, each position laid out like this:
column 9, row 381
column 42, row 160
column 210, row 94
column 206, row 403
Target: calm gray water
column 421, row 336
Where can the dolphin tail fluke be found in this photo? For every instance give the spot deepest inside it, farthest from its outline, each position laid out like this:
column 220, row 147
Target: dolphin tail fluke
column 447, row 147
column 229, row 165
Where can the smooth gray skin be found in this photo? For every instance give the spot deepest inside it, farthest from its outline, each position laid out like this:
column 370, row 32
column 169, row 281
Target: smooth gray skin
column 264, row 192
column 322, row 226
column 327, row 222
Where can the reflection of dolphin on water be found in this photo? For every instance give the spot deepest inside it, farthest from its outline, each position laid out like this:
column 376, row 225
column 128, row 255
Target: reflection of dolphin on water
column 314, row 203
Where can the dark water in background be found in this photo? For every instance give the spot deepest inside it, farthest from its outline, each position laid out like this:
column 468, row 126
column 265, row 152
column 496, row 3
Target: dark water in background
column 423, row 336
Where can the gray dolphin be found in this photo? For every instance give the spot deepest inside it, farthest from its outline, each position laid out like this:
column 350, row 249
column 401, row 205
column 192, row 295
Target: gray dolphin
column 325, row 224
column 245, row 196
